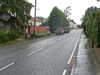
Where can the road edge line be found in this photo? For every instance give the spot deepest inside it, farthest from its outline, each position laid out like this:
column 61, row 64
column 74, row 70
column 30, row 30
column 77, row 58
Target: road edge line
column 73, row 50
column 64, row 72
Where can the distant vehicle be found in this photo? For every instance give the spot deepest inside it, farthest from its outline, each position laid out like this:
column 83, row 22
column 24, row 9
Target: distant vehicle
column 59, row 31
column 66, row 29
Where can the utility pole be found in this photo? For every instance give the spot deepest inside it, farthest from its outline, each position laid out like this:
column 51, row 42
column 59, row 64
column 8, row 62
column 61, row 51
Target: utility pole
column 35, row 16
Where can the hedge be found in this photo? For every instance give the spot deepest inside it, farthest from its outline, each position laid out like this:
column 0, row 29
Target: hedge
column 6, row 36
column 42, row 34
column 91, row 26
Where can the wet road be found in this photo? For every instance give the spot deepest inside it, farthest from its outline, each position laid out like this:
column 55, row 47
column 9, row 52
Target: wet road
column 45, row 57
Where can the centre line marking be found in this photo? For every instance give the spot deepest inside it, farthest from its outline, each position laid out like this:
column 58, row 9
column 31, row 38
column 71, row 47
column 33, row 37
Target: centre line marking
column 59, row 39
column 6, row 66
column 52, row 42
column 35, row 51
column 64, row 73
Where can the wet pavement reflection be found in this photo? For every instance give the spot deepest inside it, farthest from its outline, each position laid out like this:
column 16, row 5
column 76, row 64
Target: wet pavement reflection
column 84, row 64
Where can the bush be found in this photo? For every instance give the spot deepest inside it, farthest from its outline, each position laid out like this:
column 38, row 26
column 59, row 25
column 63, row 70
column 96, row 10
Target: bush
column 9, row 35
column 91, row 27
column 42, row 34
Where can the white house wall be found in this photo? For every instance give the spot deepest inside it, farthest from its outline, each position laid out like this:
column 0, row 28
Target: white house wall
column 32, row 23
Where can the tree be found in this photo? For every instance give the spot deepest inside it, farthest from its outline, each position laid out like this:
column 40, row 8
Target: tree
column 91, row 9
column 64, row 19
column 17, row 10
column 67, row 11
column 57, row 19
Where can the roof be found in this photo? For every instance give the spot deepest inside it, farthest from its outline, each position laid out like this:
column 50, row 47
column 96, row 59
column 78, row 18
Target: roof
column 37, row 19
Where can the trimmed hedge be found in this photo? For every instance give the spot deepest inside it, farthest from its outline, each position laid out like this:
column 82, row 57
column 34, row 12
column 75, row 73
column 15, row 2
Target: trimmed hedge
column 91, row 27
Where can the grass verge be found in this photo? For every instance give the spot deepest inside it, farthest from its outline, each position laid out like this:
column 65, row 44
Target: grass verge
column 12, row 42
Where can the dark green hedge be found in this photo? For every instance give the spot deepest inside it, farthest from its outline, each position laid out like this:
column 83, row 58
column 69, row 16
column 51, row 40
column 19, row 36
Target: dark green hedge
column 6, row 36
column 91, row 27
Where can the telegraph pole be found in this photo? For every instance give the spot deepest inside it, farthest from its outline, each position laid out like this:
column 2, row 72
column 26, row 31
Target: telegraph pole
column 35, row 16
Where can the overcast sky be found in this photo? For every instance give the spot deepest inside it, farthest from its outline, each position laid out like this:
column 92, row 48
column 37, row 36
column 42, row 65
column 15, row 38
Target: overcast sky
column 78, row 7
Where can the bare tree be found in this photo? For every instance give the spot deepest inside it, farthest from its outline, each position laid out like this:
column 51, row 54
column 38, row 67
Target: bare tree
column 67, row 11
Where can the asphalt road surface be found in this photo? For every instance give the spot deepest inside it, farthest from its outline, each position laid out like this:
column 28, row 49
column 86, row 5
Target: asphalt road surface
column 44, row 57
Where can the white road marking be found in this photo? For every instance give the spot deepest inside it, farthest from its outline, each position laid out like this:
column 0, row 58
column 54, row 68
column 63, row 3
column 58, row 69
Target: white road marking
column 63, row 38
column 52, row 42
column 64, row 72
column 73, row 51
column 6, row 66
column 35, row 51
column 60, row 39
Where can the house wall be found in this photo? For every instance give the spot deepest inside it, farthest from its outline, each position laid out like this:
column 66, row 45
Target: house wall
column 32, row 23
column 73, row 25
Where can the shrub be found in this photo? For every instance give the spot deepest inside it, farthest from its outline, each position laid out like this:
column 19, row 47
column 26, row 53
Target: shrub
column 9, row 35
column 91, row 26
column 42, row 34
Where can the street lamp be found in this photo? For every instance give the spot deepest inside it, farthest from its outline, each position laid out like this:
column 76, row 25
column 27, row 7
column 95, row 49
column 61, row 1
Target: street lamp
column 35, row 16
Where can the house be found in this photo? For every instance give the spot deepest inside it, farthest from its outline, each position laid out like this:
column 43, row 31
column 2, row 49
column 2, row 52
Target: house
column 31, row 24
column 72, row 24
column 37, row 20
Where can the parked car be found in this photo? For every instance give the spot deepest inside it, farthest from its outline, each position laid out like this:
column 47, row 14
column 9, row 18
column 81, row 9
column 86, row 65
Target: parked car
column 59, row 31
column 66, row 29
